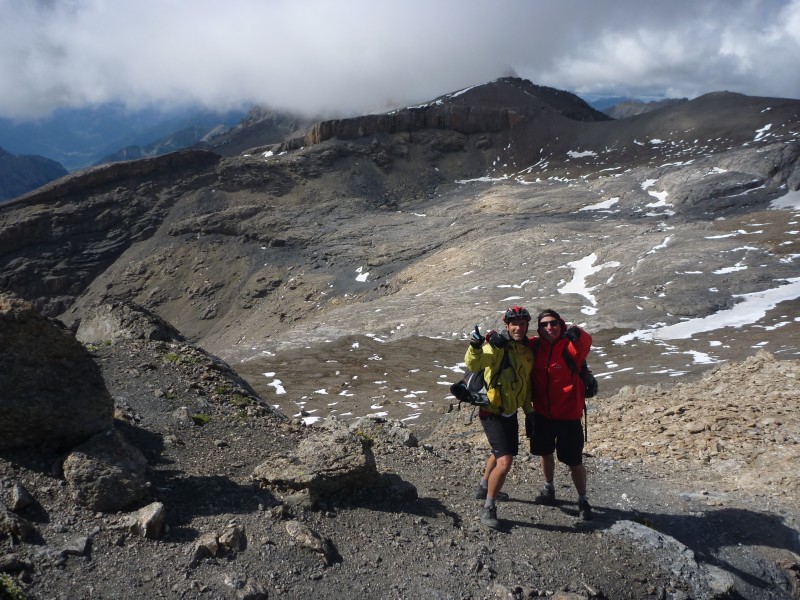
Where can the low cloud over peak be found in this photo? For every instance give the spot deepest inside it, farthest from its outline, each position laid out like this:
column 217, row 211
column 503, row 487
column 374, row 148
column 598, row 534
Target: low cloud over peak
column 354, row 56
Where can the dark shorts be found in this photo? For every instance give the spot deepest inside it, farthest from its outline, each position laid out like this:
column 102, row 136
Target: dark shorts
column 565, row 438
column 502, row 433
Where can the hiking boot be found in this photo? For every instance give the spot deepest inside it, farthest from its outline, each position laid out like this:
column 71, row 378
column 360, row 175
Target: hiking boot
column 480, row 494
column 489, row 517
column 584, row 510
column 548, row 496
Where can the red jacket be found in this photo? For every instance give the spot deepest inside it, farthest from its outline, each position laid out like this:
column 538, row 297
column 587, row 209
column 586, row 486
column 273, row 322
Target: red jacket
column 558, row 392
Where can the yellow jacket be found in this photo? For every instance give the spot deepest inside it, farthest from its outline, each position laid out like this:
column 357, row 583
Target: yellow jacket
column 513, row 389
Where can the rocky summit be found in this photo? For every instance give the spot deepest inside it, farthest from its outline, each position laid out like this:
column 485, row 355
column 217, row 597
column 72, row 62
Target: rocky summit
column 226, row 372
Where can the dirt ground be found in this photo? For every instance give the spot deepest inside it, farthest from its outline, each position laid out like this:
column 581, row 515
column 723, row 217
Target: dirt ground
column 654, row 535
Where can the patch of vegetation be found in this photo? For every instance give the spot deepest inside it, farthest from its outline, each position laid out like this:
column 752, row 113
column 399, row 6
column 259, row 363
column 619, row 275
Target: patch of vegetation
column 239, row 401
column 9, row 590
column 201, row 418
column 240, row 416
column 171, row 357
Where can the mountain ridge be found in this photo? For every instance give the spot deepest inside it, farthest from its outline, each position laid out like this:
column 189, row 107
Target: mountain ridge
column 308, row 305
column 412, row 167
column 21, row 173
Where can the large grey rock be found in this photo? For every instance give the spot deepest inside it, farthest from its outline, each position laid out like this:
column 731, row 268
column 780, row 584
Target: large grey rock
column 672, row 556
column 384, row 431
column 126, row 320
column 328, row 460
column 50, row 389
column 13, row 525
column 106, row 473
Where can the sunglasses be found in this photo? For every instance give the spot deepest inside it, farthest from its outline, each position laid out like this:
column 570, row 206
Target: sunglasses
column 545, row 324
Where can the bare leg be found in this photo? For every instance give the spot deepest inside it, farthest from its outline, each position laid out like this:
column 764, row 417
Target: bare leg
column 491, row 463
column 579, row 478
column 548, row 467
column 497, row 477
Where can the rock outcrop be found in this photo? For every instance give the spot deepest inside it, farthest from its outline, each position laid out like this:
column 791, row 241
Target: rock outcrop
column 180, row 162
column 69, row 404
column 331, row 459
column 107, row 323
column 496, row 107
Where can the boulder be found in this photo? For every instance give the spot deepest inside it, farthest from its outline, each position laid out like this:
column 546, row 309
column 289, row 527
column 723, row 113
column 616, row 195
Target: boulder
column 126, row 320
column 384, row 431
column 330, row 459
column 106, row 473
column 50, row 388
column 13, row 525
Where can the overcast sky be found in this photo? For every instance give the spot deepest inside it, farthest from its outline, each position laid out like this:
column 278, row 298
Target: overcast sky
column 354, row 56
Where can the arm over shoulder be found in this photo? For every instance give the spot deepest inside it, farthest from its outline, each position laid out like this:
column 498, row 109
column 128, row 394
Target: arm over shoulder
column 579, row 348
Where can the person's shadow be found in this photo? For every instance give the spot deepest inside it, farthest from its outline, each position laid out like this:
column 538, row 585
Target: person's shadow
column 707, row 534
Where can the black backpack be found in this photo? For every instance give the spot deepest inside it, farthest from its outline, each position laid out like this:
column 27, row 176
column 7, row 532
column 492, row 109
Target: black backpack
column 472, row 387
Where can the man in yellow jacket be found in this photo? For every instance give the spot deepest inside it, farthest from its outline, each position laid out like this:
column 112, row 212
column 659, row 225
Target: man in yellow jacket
column 506, row 363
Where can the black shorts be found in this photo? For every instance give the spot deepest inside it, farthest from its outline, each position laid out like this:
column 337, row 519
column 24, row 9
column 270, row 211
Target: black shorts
column 563, row 437
column 502, row 433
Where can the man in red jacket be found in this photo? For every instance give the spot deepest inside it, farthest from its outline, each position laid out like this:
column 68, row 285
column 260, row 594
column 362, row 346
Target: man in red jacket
column 558, row 402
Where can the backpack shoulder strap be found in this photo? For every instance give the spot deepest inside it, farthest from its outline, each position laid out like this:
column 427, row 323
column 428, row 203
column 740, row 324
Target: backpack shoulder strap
column 504, row 364
column 569, row 360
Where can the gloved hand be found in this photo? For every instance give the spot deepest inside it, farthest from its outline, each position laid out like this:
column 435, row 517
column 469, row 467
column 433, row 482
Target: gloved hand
column 476, row 339
column 496, row 340
column 529, row 424
column 572, row 333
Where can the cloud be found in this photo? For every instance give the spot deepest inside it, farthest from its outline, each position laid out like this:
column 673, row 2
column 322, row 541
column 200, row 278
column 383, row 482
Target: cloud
column 353, row 56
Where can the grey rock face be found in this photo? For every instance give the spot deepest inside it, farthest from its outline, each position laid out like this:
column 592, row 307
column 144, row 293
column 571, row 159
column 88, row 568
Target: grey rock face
column 68, row 405
column 106, row 473
column 260, row 253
